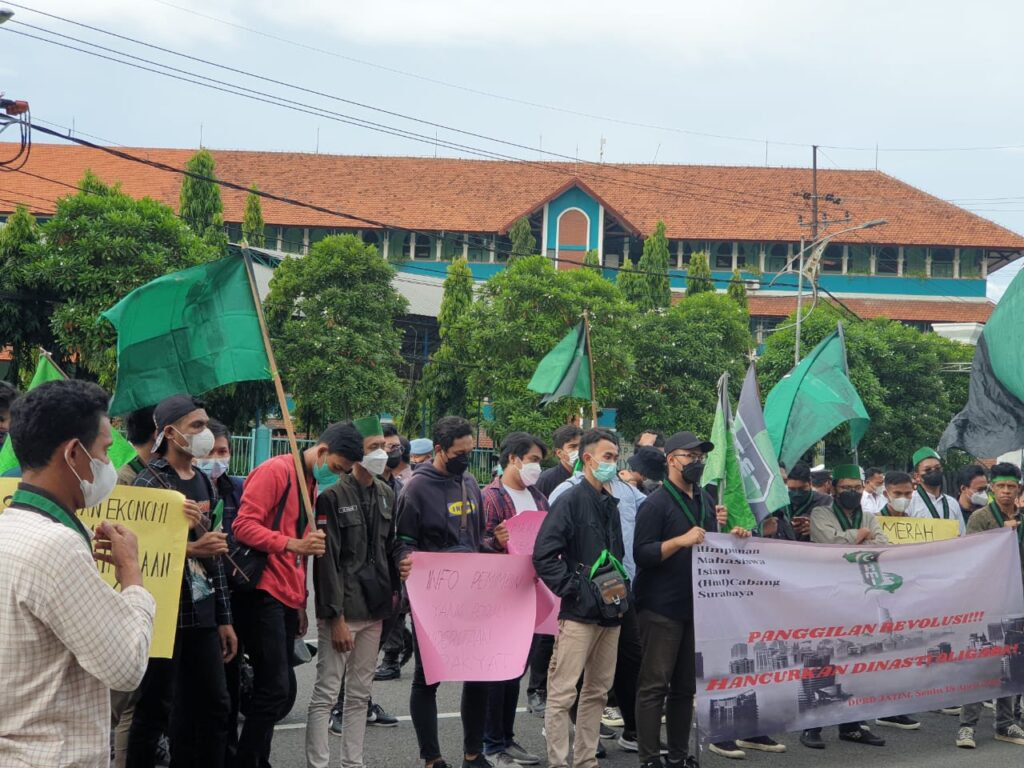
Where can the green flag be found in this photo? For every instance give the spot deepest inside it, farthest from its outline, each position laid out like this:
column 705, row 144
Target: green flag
column 565, row 370
column 120, row 453
column 722, row 467
column 188, row 331
column 813, row 399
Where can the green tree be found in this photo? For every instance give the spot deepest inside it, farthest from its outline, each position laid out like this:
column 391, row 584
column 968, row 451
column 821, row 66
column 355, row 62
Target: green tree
column 25, row 321
column 698, row 275
column 200, row 205
column 252, row 221
column 737, row 289
column 444, row 380
column 653, row 267
column 897, row 371
column 592, row 261
column 100, row 245
column 680, row 355
column 520, row 314
column 523, row 241
column 332, row 317
column 632, row 284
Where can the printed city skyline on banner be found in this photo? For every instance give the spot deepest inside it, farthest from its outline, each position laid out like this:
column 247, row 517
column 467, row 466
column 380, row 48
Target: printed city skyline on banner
column 890, row 639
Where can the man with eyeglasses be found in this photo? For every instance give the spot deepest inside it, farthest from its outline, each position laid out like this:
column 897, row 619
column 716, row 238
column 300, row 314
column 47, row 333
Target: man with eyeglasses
column 929, row 500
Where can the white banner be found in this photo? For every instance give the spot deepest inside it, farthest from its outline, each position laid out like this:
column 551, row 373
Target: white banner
column 792, row 635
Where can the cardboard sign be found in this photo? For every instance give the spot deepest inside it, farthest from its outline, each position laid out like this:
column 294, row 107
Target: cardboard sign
column 917, row 530
column 522, row 535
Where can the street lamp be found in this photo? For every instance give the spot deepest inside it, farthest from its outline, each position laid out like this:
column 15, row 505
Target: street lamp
column 817, row 249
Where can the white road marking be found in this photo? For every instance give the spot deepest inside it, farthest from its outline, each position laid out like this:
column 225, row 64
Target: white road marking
column 400, row 718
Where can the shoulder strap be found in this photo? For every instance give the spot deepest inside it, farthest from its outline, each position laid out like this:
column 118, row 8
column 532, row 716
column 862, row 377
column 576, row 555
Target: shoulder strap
column 281, row 505
column 462, row 523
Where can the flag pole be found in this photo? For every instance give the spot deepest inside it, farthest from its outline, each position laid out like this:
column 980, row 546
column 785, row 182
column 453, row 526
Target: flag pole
column 590, row 361
column 45, row 353
column 286, row 417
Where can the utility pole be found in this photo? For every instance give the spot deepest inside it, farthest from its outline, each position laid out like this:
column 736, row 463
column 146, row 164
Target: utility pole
column 814, row 192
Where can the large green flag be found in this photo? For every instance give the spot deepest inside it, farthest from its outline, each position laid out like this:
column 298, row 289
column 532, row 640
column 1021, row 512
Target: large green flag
column 565, row 370
column 186, row 332
column 120, row 453
column 759, row 466
column 722, row 467
column 813, row 399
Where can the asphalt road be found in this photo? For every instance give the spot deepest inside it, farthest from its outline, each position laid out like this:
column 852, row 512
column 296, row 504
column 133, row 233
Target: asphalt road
column 930, row 747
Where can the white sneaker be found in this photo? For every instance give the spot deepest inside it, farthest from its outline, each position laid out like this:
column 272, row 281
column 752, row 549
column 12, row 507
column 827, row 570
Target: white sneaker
column 1014, row 735
column 965, row 738
column 612, row 717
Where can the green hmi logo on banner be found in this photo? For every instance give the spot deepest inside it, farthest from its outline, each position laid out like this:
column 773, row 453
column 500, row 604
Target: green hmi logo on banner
column 872, row 572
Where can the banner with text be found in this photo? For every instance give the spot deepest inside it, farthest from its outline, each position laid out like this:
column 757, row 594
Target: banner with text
column 157, row 519
column 473, row 614
column 522, row 535
column 792, row 635
column 917, row 530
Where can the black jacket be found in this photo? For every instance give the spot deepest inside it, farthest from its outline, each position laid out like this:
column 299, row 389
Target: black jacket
column 430, row 514
column 582, row 524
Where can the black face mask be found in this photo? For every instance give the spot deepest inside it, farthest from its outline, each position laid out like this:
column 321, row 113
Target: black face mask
column 457, row 465
column 394, row 458
column 797, row 499
column 850, row 499
column 932, row 478
column 692, row 472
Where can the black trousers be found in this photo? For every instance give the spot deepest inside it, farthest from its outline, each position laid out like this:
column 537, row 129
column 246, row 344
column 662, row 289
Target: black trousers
column 187, row 697
column 393, row 637
column 268, row 629
column 423, row 710
column 667, row 683
column 627, row 670
column 540, row 660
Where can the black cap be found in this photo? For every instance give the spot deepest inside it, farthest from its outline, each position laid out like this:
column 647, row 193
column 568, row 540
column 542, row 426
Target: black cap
column 800, row 472
column 682, row 441
column 649, row 462
column 173, row 408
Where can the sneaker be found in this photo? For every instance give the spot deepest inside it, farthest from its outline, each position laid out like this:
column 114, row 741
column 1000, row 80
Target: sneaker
column 375, row 715
column 863, row 736
column 1014, row 734
column 965, row 738
column 389, row 669
column 627, row 741
column 812, row 739
column 950, row 711
column 536, row 703
column 498, row 760
column 761, row 744
column 899, row 721
column 601, row 753
column 163, row 752
column 335, row 724
column 655, row 764
column 612, row 717
column 519, row 755
column 478, row 762
column 989, row 705
column 605, row 732
column 727, row 749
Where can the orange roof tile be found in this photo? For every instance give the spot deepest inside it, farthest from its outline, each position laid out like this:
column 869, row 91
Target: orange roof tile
column 948, row 311
column 695, row 202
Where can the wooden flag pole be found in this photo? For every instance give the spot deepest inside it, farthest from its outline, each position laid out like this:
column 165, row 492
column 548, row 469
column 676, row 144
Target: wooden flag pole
column 590, row 361
column 45, row 353
column 300, row 469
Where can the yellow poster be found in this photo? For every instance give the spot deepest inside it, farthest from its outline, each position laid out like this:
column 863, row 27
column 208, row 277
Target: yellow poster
column 157, row 518
column 918, row 530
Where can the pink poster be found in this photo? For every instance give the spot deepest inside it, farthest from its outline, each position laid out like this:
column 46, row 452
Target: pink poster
column 474, row 614
column 522, row 533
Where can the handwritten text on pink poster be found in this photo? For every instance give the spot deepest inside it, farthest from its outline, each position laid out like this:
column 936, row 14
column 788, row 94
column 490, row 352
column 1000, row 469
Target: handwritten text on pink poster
column 474, row 614
column 522, row 535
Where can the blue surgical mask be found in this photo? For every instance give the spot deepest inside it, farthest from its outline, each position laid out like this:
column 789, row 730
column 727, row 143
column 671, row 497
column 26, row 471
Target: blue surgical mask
column 324, row 476
column 606, row 471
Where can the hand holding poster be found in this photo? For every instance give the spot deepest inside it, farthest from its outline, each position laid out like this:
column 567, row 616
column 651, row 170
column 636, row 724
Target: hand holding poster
column 522, row 534
column 917, row 530
column 473, row 614
column 792, row 635
column 157, row 519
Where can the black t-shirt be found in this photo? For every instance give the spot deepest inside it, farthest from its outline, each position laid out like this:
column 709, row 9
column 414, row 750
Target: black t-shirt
column 551, row 478
column 196, row 489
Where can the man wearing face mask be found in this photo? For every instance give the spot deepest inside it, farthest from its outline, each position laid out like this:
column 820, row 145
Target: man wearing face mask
column 929, row 500
column 356, row 588
column 973, row 483
column 68, row 638
column 274, row 518
column 216, row 465
column 793, row 522
column 188, row 694
column 845, row 523
column 510, row 494
column 398, row 448
column 566, row 444
column 440, row 511
column 421, row 451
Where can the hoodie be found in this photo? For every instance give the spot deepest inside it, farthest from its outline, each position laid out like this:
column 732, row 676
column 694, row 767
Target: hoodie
column 430, row 513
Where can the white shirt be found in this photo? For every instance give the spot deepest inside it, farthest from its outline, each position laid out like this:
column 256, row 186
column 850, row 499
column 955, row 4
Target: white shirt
column 66, row 639
column 523, row 500
column 874, row 502
column 918, row 508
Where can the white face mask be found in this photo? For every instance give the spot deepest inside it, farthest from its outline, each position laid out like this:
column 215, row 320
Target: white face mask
column 375, row 462
column 573, row 458
column 530, row 473
column 899, row 505
column 214, row 467
column 200, row 444
column 104, row 478
column 979, row 498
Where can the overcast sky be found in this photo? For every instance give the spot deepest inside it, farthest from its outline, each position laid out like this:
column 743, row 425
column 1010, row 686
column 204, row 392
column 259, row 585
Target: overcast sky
column 650, row 78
